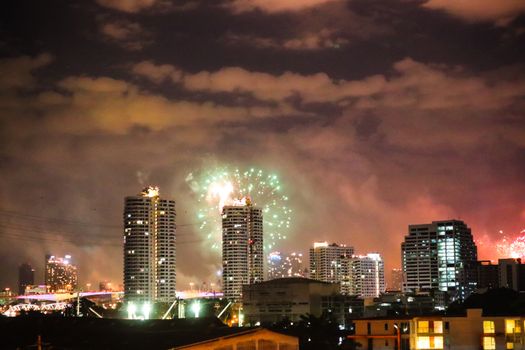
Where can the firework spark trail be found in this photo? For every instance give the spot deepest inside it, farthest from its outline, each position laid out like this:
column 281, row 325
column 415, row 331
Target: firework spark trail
column 224, row 186
column 508, row 248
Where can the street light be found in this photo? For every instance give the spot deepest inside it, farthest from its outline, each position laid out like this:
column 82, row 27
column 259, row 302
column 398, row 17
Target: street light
column 398, row 339
column 146, row 309
column 196, row 308
column 132, row 309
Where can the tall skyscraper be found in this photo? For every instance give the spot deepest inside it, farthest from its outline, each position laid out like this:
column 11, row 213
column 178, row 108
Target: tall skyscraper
column 61, row 274
column 285, row 265
column 149, row 248
column 325, row 261
column 441, row 255
column 242, row 247
column 363, row 275
column 26, row 277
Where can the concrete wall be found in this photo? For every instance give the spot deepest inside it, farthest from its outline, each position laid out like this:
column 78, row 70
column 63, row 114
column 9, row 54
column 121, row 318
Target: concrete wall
column 272, row 301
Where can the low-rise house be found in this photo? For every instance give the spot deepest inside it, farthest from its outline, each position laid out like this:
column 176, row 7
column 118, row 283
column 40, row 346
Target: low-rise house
column 469, row 332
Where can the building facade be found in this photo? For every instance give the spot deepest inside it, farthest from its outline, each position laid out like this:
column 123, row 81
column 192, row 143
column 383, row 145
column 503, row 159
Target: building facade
column 487, row 275
column 363, row 275
column 506, row 273
column 149, row 248
column 399, row 303
column 26, row 277
column 285, row 298
column 325, row 261
column 60, row 274
column 242, row 248
column 285, row 265
column 511, row 274
column 471, row 331
column 440, row 255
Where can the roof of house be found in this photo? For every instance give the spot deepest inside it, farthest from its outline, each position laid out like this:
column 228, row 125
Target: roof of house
column 241, row 332
column 90, row 333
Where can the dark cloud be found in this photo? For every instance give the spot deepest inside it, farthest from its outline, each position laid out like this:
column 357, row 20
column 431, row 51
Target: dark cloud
column 130, row 35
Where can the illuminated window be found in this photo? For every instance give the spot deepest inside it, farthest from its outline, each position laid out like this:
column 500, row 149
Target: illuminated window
column 489, row 343
column 509, row 326
column 423, row 343
column 422, row 326
column 488, row 327
column 510, row 345
column 438, row 343
column 438, row 326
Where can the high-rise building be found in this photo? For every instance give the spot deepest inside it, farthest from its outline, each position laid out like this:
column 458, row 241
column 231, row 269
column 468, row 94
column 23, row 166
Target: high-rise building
column 149, row 248
column 242, row 247
column 325, row 261
column 285, row 265
column 488, row 275
column 441, row 255
column 363, row 275
column 507, row 273
column 511, row 274
column 61, row 274
column 26, row 277
column 396, row 278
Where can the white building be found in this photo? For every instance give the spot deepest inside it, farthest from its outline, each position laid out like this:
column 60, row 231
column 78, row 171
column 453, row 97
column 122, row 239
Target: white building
column 242, row 247
column 325, row 261
column 363, row 275
column 149, row 248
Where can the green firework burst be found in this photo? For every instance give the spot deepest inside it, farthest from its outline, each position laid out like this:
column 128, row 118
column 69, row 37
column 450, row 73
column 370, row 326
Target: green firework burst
column 215, row 187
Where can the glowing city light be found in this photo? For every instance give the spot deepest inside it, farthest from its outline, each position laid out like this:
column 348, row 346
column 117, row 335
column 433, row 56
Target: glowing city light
column 146, row 310
column 196, row 308
column 218, row 187
column 132, row 309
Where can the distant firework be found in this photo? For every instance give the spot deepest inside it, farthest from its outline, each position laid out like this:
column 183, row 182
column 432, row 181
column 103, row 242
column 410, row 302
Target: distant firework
column 508, row 248
column 218, row 187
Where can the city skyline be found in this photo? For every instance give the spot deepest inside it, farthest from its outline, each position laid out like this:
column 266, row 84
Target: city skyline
column 374, row 115
column 152, row 191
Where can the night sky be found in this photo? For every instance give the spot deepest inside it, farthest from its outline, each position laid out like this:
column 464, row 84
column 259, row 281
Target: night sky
column 374, row 114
